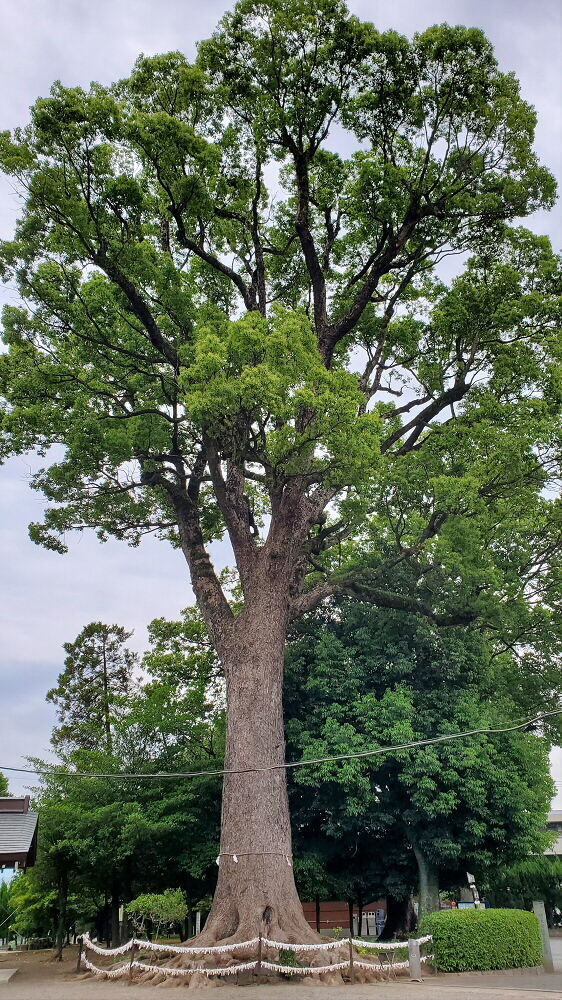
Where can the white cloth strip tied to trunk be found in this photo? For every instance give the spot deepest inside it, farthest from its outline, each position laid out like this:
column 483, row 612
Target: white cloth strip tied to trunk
column 111, row 973
column 424, row 940
column 304, row 947
column 307, row 970
column 426, row 958
column 229, row 970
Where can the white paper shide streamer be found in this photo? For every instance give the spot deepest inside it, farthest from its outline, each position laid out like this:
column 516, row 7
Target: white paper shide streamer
column 231, row 970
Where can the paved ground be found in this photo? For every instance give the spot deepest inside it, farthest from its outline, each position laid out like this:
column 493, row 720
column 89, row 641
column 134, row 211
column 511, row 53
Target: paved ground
column 39, row 978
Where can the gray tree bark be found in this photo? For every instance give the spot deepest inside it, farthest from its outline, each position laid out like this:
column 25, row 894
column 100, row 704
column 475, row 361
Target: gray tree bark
column 256, row 889
column 428, row 883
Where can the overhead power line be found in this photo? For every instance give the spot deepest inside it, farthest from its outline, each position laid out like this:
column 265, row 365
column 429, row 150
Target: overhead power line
column 513, row 727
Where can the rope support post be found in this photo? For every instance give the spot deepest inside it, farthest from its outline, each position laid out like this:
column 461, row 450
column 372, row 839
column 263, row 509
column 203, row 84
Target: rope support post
column 351, row 969
column 414, row 960
column 260, row 948
column 79, row 959
column 134, row 949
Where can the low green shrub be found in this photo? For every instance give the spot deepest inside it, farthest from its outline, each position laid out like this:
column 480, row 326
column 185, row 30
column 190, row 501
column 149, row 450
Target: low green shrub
column 465, row 940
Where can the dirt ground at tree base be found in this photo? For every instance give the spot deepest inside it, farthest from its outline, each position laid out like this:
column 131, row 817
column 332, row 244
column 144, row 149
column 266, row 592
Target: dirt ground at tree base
column 40, row 978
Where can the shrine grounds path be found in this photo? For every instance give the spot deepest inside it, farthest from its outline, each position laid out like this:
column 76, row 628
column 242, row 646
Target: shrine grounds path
column 39, row 978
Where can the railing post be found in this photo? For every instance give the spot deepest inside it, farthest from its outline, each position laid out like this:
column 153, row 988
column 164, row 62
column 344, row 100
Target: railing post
column 79, row 959
column 134, row 948
column 351, row 968
column 258, row 964
column 414, row 960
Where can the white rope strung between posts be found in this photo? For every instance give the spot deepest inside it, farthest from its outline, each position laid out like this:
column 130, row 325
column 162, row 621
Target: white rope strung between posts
column 228, row 970
column 244, row 945
column 305, row 947
column 110, row 973
column 380, row 945
column 385, row 966
column 175, row 949
column 306, row 970
column 89, row 944
column 188, row 950
column 386, row 945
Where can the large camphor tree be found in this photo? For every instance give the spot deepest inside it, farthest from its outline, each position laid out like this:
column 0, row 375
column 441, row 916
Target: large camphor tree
column 235, row 331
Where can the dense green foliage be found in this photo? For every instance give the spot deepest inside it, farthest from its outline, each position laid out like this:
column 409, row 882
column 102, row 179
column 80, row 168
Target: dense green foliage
column 104, row 841
column 538, row 877
column 97, row 675
column 229, row 329
column 465, row 940
column 3, row 784
column 154, row 363
column 159, row 909
column 358, row 678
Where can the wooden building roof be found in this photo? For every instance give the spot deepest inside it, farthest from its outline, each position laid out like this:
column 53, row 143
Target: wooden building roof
column 18, row 833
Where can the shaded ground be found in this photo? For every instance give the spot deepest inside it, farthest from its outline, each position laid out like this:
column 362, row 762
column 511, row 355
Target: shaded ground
column 39, row 978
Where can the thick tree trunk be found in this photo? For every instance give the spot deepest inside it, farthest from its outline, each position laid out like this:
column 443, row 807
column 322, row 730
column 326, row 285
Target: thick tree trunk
column 256, row 889
column 428, row 884
column 400, row 918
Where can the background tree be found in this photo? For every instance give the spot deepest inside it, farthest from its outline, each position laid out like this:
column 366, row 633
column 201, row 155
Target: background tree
column 5, row 911
column 280, row 367
column 3, row 784
column 358, row 678
column 97, row 674
column 103, row 841
column 537, row 877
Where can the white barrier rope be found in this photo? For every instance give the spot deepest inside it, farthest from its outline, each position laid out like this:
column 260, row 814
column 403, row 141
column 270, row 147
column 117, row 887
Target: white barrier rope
column 88, row 943
column 111, row 974
column 307, row 970
column 179, row 949
column 229, row 970
column 175, row 949
column 305, row 947
column 381, row 945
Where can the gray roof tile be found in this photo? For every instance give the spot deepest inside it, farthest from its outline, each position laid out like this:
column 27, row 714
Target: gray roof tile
column 16, row 831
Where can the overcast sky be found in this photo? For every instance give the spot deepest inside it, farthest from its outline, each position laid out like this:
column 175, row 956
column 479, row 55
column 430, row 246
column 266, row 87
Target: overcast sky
column 48, row 598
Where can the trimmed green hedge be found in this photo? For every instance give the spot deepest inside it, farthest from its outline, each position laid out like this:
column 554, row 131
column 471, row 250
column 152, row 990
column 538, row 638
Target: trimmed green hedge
column 466, row 940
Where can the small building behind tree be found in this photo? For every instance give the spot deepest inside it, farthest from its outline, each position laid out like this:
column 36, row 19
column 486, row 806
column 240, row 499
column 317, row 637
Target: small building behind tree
column 18, row 833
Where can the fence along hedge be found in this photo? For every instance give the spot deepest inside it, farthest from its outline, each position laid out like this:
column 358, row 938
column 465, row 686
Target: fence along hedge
column 465, row 940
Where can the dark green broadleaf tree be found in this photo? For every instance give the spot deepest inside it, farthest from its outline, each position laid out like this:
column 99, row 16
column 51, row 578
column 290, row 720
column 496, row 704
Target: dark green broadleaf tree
column 234, row 331
column 358, row 678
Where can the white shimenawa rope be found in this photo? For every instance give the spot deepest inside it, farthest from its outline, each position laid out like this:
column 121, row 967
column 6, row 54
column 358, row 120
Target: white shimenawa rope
column 307, row 970
column 305, row 947
column 176, row 949
column 229, row 970
column 110, row 973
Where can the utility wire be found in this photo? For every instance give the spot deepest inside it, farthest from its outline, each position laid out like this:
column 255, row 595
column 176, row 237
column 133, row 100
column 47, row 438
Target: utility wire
column 287, row 764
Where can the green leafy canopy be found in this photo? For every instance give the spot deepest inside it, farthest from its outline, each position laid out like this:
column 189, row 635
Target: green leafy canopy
column 231, row 327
